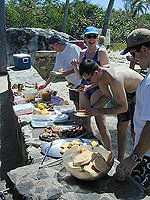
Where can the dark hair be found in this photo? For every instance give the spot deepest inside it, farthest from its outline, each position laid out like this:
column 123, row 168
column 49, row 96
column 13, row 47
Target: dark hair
column 88, row 66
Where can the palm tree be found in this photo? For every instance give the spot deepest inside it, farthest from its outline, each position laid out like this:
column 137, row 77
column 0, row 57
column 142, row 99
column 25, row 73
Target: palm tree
column 137, row 6
column 65, row 16
column 3, row 58
column 107, row 16
column 140, row 7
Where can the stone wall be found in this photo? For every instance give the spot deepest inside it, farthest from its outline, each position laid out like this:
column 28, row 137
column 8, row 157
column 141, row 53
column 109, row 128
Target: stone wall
column 29, row 40
column 44, row 62
column 12, row 150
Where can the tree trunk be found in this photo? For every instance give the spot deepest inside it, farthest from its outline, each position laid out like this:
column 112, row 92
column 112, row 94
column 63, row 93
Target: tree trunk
column 107, row 17
column 3, row 40
column 65, row 16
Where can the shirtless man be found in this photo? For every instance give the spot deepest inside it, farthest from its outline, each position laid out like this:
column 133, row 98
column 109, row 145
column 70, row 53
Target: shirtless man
column 119, row 82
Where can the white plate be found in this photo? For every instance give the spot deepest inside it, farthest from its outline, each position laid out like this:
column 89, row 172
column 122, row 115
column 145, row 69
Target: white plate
column 50, row 117
column 56, row 146
column 56, row 73
column 64, row 109
column 41, row 124
column 81, row 114
column 61, row 118
column 44, row 124
column 40, row 117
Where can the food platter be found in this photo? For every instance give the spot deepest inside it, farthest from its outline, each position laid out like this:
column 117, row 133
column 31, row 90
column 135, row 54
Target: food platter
column 65, row 109
column 56, row 73
column 55, row 149
column 40, row 121
column 54, row 132
column 81, row 113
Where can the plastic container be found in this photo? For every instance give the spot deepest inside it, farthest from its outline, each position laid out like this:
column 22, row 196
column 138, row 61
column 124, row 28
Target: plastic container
column 30, row 95
column 22, row 61
column 46, row 96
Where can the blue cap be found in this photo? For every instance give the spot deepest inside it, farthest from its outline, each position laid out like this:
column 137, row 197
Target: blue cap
column 90, row 30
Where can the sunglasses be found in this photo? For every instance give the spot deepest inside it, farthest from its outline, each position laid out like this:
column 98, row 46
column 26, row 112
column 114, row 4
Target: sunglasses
column 136, row 50
column 91, row 36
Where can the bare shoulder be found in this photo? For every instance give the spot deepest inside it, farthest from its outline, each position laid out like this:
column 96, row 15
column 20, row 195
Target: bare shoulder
column 102, row 50
column 82, row 51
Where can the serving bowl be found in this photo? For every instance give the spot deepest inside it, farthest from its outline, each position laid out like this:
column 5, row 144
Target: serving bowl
column 81, row 172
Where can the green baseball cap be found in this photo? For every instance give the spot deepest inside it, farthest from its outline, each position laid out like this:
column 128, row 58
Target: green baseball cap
column 135, row 38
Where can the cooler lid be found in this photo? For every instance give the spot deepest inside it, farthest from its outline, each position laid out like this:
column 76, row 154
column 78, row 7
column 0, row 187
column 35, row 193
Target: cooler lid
column 21, row 55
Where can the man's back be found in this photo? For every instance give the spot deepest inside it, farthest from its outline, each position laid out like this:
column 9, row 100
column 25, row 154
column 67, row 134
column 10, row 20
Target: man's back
column 129, row 78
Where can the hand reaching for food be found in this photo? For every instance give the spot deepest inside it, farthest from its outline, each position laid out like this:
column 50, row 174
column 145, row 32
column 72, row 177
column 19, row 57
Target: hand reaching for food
column 75, row 63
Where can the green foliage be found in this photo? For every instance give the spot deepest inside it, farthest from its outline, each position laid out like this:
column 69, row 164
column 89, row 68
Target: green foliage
column 117, row 46
column 48, row 14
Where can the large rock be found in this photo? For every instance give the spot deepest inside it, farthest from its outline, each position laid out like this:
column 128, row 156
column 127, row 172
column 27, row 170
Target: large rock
column 29, row 40
column 54, row 182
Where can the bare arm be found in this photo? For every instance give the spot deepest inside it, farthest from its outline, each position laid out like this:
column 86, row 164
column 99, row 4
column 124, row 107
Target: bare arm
column 105, row 98
column 103, row 57
column 127, row 165
column 75, row 63
column 66, row 73
column 50, row 79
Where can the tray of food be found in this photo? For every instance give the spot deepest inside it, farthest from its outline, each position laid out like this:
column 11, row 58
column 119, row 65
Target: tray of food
column 41, row 121
column 43, row 105
column 81, row 113
column 51, row 133
column 65, row 109
column 60, row 146
column 78, row 131
column 57, row 73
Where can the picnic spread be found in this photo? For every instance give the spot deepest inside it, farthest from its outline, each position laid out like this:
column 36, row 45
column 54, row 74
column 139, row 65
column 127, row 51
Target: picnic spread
column 62, row 131
column 53, row 177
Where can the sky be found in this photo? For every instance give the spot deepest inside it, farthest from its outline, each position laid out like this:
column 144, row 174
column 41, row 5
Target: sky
column 118, row 4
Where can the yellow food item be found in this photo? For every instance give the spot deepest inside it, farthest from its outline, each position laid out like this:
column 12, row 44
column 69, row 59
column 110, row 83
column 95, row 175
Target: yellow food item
column 36, row 111
column 82, row 158
column 68, row 145
column 81, row 149
column 65, row 145
column 44, row 111
column 40, row 106
column 74, row 142
column 89, row 162
column 94, row 143
column 63, row 150
column 90, row 168
column 70, row 164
